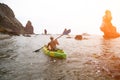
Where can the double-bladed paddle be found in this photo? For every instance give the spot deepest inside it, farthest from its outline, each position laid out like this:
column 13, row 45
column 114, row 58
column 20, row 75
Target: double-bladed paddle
column 64, row 33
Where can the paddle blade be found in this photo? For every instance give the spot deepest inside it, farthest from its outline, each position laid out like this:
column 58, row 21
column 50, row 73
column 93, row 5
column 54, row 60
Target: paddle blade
column 66, row 32
column 38, row 49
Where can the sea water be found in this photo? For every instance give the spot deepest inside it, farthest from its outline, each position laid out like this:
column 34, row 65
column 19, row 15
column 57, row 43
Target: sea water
column 18, row 61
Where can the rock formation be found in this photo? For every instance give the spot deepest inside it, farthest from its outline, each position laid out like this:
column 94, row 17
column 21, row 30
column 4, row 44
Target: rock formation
column 78, row 37
column 107, row 28
column 8, row 23
column 29, row 28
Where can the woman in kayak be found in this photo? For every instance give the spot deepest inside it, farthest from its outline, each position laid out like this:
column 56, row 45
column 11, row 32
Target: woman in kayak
column 52, row 44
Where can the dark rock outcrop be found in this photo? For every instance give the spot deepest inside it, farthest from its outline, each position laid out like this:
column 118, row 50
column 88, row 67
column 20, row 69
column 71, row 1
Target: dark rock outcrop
column 8, row 23
column 78, row 37
column 29, row 28
column 107, row 28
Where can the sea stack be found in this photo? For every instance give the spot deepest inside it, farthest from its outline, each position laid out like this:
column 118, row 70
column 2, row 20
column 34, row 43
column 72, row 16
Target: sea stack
column 29, row 28
column 107, row 27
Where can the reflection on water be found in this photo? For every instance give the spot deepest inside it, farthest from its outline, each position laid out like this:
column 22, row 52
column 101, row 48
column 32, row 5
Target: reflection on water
column 111, row 46
column 19, row 62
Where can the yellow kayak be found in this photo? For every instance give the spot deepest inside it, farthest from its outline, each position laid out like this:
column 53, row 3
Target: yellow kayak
column 57, row 54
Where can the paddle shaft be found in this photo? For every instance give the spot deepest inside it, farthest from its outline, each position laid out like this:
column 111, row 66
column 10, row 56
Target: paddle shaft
column 42, row 47
column 64, row 33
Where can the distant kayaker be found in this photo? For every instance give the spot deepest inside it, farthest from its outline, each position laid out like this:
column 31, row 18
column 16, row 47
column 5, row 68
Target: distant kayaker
column 52, row 44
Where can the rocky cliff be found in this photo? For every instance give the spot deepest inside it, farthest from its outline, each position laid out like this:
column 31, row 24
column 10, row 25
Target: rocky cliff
column 8, row 22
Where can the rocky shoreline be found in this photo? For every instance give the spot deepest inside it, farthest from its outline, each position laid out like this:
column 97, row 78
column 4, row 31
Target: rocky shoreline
column 4, row 36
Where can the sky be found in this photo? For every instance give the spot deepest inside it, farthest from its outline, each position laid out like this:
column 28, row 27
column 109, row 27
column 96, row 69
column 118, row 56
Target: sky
column 81, row 16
